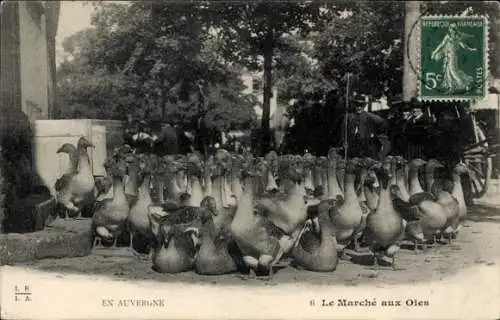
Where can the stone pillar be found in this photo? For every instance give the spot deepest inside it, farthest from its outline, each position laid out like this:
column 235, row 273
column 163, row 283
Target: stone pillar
column 410, row 77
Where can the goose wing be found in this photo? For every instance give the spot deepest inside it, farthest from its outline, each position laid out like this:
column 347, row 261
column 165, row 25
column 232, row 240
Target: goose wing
column 309, row 241
column 63, row 181
column 100, row 218
column 183, row 215
column 422, row 196
column 407, row 210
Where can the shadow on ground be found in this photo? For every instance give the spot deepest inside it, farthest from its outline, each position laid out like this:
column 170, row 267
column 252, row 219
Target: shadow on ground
column 484, row 213
column 477, row 243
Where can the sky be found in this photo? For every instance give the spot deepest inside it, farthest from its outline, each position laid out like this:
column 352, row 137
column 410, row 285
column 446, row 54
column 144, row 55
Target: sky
column 74, row 17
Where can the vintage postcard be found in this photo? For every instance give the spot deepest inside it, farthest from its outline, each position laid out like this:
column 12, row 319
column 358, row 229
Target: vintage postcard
column 250, row 160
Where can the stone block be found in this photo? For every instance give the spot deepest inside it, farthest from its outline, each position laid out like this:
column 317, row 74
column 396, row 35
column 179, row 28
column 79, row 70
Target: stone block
column 31, row 213
column 62, row 238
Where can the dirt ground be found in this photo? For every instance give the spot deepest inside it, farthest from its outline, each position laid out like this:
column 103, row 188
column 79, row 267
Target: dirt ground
column 477, row 243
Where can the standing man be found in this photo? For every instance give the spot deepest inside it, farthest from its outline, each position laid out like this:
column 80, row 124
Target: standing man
column 366, row 131
column 400, row 113
column 416, row 130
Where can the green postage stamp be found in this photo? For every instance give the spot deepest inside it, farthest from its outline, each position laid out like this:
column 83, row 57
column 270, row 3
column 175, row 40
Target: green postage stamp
column 453, row 58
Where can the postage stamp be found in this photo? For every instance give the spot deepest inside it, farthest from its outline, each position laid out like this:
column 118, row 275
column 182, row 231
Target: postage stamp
column 453, row 58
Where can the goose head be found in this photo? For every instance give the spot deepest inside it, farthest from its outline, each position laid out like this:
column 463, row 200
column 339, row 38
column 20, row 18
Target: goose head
column 156, row 217
column 272, row 160
column 442, row 185
column 383, row 172
column 122, row 152
column 292, row 171
column 144, row 167
column 322, row 163
column 250, row 169
column 333, row 154
column 460, row 169
column 265, row 175
column 417, row 163
column 83, row 144
column 434, row 164
column 371, row 176
column 352, row 166
column 68, row 148
column 208, row 203
column 388, row 165
column 194, row 166
column 118, row 169
column 237, row 162
column 400, row 162
column 177, row 166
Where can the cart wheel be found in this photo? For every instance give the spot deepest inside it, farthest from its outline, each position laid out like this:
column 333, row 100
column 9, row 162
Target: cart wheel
column 480, row 166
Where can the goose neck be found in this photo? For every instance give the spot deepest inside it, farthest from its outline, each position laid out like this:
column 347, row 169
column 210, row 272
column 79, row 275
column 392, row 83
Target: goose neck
column 429, row 177
column 415, row 186
column 394, row 179
column 194, row 182
column 333, row 184
column 131, row 185
column 160, row 185
column 83, row 160
column 385, row 198
column 73, row 162
column 208, row 186
column 218, row 190
column 118, row 190
column 144, row 187
column 362, row 179
column 349, row 179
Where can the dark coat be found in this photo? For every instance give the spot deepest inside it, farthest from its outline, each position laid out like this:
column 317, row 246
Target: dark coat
column 362, row 132
column 417, row 137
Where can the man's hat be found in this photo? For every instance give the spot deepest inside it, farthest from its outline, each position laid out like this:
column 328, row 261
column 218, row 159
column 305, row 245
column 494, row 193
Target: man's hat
column 359, row 99
column 415, row 103
column 396, row 100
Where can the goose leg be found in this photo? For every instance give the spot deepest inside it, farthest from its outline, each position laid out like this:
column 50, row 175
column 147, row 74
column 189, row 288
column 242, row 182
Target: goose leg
column 251, row 273
column 425, row 249
column 356, row 244
column 415, row 246
column 375, row 262
column 114, row 242
column 394, row 262
column 270, row 274
column 131, row 244
column 97, row 240
column 253, row 264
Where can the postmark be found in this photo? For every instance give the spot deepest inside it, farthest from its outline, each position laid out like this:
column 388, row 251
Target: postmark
column 453, row 58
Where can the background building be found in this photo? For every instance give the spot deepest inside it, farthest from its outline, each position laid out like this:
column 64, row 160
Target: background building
column 28, row 31
column 27, row 81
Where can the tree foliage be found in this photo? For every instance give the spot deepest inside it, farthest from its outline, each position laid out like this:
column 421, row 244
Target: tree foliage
column 150, row 60
column 252, row 32
column 365, row 39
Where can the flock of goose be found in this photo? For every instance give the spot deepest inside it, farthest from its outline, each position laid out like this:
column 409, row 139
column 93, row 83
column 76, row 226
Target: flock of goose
column 229, row 212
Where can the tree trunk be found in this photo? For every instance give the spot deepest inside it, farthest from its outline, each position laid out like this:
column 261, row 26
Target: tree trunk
column 162, row 101
column 410, row 77
column 494, row 9
column 266, row 106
